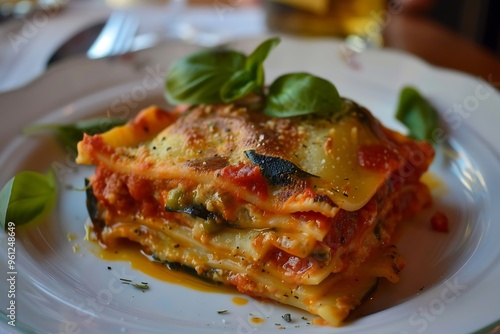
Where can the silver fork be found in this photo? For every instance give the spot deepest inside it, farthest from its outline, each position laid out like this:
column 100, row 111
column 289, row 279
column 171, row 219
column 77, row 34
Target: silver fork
column 117, row 36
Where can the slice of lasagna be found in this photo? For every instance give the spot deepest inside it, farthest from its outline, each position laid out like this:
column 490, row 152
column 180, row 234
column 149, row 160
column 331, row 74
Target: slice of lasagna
column 300, row 210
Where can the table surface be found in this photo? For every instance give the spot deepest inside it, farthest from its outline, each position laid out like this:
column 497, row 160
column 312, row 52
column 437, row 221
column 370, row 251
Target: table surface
column 28, row 43
column 442, row 47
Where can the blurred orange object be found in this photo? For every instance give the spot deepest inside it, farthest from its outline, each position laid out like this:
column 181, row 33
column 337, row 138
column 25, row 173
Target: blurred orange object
column 338, row 18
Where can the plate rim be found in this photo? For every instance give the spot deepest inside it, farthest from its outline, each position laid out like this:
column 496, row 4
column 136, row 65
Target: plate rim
column 71, row 64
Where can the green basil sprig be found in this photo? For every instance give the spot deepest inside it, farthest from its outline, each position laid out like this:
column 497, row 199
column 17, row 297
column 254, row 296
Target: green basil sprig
column 417, row 114
column 71, row 134
column 215, row 76
column 198, row 78
column 27, row 197
column 222, row 76
column 301, row 94
column 251, row 78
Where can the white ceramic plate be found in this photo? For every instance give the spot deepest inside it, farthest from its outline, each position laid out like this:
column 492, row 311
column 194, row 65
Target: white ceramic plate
column 450, row 284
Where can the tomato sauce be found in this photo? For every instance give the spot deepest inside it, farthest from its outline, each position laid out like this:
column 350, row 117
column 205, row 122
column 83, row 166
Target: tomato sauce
column 126, row 193
column 439, row 222
column 320, row 220
column 292, row 266
column 378, row 158
column 247, row 177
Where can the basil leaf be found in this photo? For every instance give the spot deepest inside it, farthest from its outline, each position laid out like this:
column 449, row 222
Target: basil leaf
column 27, row 197
column 417, row 114
column 250, row 79
column 255, row 62
column 71, row 134
column 198, row 78
column 301, row 94
column 215, row 76
column 239, row 85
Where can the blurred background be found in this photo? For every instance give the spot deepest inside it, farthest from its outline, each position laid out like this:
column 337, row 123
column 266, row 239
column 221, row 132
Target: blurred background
column 476, row 20
column 463, row 35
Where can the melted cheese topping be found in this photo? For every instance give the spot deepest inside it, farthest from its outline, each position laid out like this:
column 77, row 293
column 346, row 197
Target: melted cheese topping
column 205, row 140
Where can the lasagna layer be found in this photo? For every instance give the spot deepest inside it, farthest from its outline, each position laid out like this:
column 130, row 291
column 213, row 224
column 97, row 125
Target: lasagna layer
column 299, row 210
